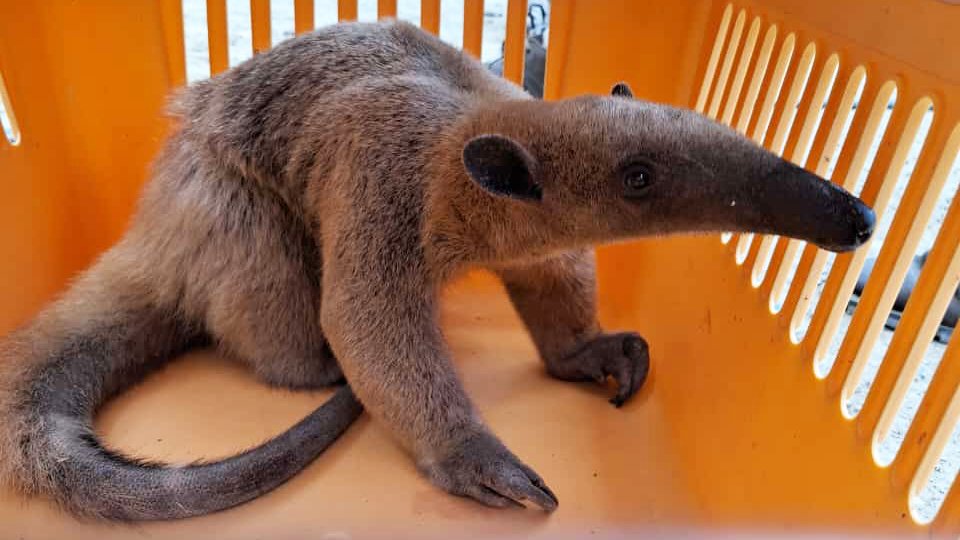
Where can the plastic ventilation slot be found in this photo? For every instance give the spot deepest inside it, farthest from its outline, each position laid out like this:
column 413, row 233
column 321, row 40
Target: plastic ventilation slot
column 740, row 75
column 871, row 125
column 204, row 38
column 714, row 60
column 842, row 113
column 759, row 73
column 864, row 344
column 219, row 34
column 240, row 26
column 913, row 131
column 728, row 58
column 912, row 353
column 11, row 129
column 937, row 470
column 325, row 12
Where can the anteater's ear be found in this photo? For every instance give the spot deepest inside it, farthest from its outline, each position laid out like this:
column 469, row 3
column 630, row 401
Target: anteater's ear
column 622, row 89
column 502, row 166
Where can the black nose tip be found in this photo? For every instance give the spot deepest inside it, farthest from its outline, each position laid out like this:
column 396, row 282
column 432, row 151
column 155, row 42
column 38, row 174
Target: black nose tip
column 868, row 220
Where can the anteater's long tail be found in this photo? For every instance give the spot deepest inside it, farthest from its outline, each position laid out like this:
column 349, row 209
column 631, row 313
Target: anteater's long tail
column 99, row 339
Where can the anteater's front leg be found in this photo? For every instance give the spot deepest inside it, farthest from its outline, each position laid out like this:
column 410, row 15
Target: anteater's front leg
column 556, row 299
column 383, row 328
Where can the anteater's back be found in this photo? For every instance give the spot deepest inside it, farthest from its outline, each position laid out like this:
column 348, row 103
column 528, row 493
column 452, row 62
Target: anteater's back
column 258, row 108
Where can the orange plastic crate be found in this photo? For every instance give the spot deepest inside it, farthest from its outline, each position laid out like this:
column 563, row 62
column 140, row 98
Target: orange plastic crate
column 733, row 435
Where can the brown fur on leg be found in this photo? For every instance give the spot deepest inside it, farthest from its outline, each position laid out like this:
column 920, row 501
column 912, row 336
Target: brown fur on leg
column 556, row 298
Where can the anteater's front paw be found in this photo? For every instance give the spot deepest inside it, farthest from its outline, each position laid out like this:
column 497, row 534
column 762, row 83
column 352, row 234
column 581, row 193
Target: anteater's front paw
column 624, row 356
column 482, row 468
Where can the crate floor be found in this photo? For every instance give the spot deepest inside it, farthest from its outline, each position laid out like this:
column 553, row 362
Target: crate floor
column 730, row 437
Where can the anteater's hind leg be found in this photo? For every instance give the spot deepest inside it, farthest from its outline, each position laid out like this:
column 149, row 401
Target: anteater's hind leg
column 277, row 333
column 264, row 308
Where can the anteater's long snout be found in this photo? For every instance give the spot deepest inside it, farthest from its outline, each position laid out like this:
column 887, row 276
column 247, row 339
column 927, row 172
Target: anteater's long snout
column 788, row 200
column 706, row 177
column 868, row 220
column 821, row 212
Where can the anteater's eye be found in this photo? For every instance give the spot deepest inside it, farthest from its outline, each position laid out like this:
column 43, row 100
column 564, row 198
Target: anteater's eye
column 636, row 180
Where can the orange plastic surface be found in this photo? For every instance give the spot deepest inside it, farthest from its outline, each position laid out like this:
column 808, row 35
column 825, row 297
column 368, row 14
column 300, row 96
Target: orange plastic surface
column 677, row 460
column 732, row 434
